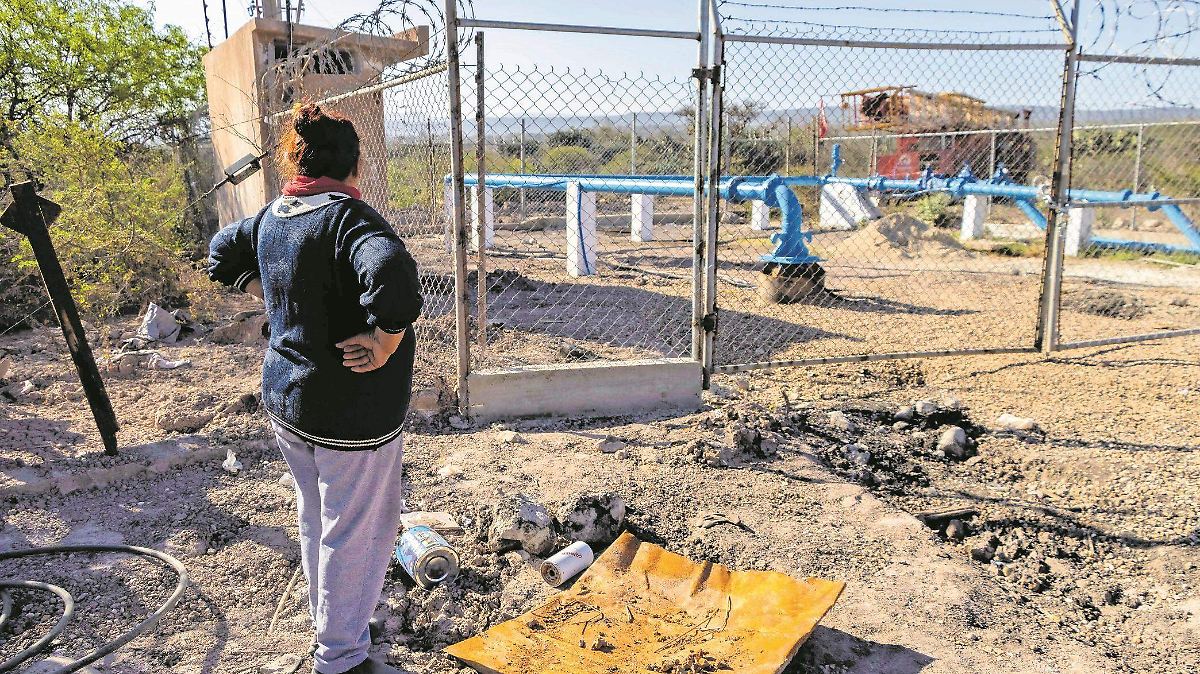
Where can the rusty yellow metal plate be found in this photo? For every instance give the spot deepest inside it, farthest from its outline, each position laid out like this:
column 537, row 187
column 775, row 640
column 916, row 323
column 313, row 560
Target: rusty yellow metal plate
column 640, row 608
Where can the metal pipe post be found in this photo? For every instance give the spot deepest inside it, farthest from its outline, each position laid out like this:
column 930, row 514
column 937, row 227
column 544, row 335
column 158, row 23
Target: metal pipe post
column 461, row 315
column 713, row 215
column 32, row 215
column 481, row 211
column 522, row 204
column 992, row 157
column 700, row 126
column 1047, row 329
column 1137, row 170
column 787, row 149
column 633, row 145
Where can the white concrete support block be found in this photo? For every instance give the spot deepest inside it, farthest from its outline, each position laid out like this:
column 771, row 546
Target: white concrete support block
column 602, row 388
column 1079, row 230
column 844, row 207
column 760, row 216
column 581, row 231
column 641, row 225
column 975, row 213
column 448, row 207
column 488, row 210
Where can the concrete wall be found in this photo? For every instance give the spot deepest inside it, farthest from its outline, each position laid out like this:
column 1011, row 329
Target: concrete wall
column 244, row 85
column 586, row 389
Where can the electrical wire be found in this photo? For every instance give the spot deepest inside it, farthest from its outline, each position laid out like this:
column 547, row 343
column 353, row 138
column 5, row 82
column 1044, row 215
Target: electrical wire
column 69, row 602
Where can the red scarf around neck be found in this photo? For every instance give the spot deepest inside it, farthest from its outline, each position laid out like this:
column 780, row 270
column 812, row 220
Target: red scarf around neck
column 304, row 186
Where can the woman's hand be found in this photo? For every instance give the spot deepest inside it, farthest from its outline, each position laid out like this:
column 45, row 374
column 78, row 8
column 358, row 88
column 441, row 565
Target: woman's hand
column 255, row 288
column 369, row 350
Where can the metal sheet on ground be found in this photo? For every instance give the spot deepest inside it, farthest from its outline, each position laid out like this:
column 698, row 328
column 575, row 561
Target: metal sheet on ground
column 640, row 608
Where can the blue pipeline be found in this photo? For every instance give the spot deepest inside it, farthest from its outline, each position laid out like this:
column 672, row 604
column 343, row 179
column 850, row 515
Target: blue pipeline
column 790, row 242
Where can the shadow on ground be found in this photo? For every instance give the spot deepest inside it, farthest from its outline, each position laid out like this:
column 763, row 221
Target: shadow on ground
column 852, row 655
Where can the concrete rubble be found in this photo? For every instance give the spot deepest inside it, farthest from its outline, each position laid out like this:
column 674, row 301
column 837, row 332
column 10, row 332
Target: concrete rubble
column 595, row 519
column 521, row 520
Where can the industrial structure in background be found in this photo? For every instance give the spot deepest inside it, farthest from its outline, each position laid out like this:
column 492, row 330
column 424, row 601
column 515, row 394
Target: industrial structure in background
column 908, row 110
column 273, row 61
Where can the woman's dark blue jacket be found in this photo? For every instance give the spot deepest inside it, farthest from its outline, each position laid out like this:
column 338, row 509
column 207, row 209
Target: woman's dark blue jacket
column 331, row 267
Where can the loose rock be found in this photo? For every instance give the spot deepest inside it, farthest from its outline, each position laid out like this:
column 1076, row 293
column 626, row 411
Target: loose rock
column 593, row 518
column 840, row 421
column 1010, row 422
column 611, row 445
column 954, row 442
column 522, row 520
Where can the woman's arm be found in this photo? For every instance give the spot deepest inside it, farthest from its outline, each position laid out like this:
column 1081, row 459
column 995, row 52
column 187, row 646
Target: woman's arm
column 391, row 287
column 232, row 259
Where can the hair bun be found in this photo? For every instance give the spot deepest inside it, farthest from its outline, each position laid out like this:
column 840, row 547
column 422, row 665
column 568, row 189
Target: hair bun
column 306, row 117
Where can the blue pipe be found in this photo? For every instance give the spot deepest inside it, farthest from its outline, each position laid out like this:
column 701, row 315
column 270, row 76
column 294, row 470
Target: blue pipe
column 1184, row 224
column 775, row 191
column 1031, row 211
column 790, row 241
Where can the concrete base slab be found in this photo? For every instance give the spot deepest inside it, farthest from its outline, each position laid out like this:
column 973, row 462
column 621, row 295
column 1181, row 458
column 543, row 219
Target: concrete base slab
column 586, row 389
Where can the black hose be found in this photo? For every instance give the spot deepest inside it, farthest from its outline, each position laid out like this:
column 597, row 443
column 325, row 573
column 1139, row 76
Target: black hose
column 69, row 602
column 68, row 611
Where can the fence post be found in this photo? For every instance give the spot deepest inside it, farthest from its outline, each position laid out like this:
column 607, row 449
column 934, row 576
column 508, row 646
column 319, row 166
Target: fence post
column 1047, row 330
column 1137, row 173
column 633, row 146
column 874, row 152
column 461, row 315
column 992, row 157
column 31, row 215
column 699, row 131
column 787, row 149
column 522, row 205
column 483, row 201
column 713, row 215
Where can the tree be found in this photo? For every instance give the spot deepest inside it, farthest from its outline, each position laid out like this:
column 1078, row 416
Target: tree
column 90, row 95
column 100, row 64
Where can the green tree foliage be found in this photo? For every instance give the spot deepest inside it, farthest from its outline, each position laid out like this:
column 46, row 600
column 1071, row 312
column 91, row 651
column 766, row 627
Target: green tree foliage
column 100, row 64
column 117, row 236
column 90, row 93
column 569, row 159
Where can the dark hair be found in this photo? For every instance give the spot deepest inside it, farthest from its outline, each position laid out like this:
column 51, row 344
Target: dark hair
column 318, row 143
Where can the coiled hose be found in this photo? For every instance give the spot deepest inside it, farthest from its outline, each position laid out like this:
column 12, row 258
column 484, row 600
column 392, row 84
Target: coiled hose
column 69, row 602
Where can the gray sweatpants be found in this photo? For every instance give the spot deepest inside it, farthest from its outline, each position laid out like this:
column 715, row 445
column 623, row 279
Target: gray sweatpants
column 349, row 506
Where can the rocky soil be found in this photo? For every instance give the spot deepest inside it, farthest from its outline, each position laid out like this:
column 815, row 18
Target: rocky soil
column 994, row 514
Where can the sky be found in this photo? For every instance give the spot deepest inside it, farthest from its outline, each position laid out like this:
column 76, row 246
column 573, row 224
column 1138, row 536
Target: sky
column 1002, row 79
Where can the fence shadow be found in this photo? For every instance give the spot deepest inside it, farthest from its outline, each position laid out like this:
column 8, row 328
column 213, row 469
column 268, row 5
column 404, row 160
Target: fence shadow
column 627, row 317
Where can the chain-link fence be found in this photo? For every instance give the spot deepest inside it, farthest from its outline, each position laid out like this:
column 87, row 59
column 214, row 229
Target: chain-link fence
column 404, row 124
column 1132, row 271
column 896, row 268
column 874, row 199
column 578, row 264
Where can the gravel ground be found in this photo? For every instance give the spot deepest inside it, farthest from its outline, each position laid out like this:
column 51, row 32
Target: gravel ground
column 1077, row 548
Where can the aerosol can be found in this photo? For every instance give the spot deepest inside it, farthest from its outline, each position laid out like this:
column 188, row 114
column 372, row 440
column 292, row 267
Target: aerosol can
column 426, row 556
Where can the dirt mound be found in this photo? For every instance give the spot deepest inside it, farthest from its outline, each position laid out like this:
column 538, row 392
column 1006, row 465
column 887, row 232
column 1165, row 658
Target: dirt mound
column 1102, row 302
column 907, row 236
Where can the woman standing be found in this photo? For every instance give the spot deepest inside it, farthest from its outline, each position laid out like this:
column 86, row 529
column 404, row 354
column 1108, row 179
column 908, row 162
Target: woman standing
column 341, row 293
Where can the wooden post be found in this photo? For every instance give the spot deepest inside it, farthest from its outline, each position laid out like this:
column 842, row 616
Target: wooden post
column 31, row 215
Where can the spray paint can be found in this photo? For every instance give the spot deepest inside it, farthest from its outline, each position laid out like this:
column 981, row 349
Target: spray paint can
column 426, row 556
column 567, row 563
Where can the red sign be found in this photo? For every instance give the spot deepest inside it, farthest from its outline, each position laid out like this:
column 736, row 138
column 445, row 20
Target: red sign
column 900, row 165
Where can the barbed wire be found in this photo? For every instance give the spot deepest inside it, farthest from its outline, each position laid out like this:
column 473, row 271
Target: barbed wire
column 896, row 10
column 887, row 30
